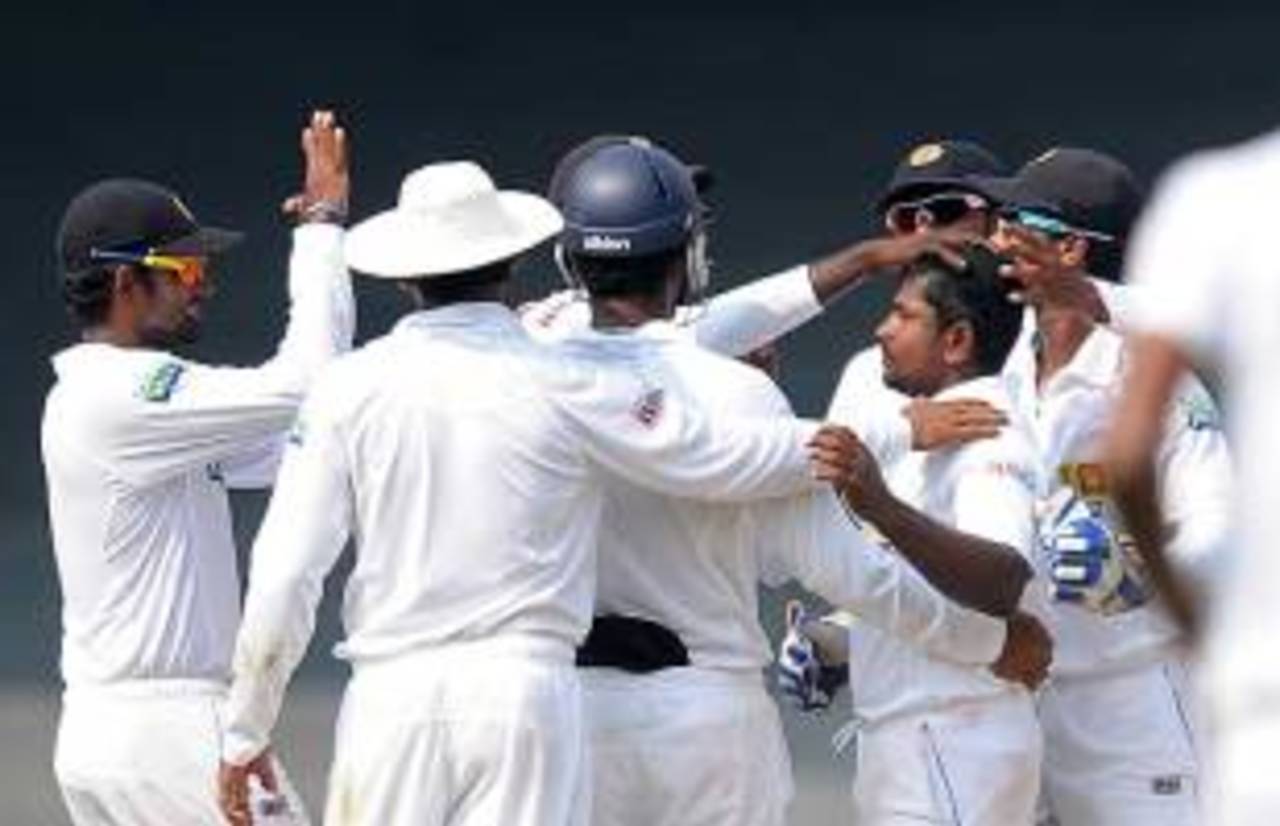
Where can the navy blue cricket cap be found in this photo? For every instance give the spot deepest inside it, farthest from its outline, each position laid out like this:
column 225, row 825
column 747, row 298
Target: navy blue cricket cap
column 1083, row 188
column 940, row 165
column 120, row 214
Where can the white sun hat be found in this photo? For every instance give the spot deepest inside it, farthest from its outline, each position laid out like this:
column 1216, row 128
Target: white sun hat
column 450, row 218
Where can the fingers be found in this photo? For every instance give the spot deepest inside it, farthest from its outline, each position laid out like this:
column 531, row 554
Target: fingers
column 233, row 794
column 265, row 770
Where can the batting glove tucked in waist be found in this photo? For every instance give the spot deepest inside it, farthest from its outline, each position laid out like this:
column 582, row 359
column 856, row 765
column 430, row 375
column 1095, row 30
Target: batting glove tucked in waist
column 801, row 676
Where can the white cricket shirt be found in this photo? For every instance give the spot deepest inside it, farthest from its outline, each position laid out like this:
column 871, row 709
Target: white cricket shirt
column 469, row 463
column 1206, row 248
column 139, row 448
column 1069, row 416
column 986, row 488
column 695, row 566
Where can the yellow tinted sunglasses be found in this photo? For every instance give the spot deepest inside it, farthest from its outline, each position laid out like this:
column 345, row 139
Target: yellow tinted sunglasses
column 190, row 270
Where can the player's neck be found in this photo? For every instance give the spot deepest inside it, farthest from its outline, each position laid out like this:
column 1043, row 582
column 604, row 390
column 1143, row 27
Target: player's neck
column 627, row 311
column 1059, row 336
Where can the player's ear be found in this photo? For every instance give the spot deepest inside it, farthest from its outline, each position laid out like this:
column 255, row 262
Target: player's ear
column 1075, row 251
column 958, row 344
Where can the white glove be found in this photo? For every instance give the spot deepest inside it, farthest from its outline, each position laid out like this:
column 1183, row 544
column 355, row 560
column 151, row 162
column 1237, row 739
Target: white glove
column 1088, row 563
column 802, row 677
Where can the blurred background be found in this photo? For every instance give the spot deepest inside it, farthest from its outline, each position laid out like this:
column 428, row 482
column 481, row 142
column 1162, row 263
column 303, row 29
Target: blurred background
column 802, row 114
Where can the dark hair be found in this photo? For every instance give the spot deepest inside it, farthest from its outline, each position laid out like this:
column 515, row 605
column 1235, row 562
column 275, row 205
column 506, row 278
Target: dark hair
column 468, row 285
column 976, row 294
column 641, row 275
column 87, row 292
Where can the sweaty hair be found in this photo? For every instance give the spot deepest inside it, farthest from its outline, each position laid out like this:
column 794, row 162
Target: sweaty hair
column 87, row 293
column 978, row 295
column 643, row 275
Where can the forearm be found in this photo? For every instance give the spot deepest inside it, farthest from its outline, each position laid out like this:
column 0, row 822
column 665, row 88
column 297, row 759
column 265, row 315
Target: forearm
column 978, row 573
column 843, row 270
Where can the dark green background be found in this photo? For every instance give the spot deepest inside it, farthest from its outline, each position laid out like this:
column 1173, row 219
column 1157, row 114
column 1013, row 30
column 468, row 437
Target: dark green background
column 801, row 113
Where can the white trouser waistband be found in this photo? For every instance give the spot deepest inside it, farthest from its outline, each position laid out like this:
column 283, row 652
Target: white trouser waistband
column 489, row 651
column 687, row 676
column 145, row 689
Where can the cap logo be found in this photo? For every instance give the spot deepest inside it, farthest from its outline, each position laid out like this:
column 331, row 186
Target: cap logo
column 925, row 154
column 181, row 207
column 1046, row 155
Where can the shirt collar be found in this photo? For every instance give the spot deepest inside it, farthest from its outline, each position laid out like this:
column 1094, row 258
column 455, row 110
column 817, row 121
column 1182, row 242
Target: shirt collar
column 89, row 355
column 1099, row 359
column 463, row 315
column 989, row 388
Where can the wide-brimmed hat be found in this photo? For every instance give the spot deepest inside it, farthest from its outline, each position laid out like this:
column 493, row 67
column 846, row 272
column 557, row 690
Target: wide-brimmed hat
column 450, row 218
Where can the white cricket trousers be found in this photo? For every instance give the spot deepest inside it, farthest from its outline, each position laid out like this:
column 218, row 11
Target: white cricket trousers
column 146, row 753
column 485, row 733
column 685, row 746
column 1121, row 749
column 975, row 763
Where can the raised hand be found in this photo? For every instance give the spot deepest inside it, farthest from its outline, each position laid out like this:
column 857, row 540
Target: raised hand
column 326, row 185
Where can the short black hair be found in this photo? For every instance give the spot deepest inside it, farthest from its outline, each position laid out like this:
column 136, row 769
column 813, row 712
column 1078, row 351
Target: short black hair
column 977, row 294
column 641, row 275
column 468, row 285
column 87, row 292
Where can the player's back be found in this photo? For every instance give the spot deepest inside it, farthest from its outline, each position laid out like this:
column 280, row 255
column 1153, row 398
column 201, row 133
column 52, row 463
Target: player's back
column 473, row 510
column 690, row 566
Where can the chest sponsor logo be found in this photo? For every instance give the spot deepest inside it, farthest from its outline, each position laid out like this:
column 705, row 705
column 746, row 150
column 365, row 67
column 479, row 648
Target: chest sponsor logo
column 648, row 408
column 160, row 382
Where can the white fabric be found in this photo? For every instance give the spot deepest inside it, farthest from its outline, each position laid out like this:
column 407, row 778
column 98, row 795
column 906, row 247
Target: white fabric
column 694, row 566
column 488, row 733
column 734, row 322
column 450, row 218
column 970, row 764
column 986, row 488
column 146, row 754
column 1120, row 749
column 1206, row 248
column 468, row 460
column 1069, row 415
column 684, row 746
column 139, row 447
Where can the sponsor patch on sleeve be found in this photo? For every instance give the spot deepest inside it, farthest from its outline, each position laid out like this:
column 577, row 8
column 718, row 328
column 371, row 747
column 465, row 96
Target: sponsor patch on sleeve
column 160, row 382
column 1198, row 412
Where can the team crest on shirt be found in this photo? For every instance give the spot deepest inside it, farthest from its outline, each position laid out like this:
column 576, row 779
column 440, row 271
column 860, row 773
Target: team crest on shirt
column 160, row 382
column 648, row 408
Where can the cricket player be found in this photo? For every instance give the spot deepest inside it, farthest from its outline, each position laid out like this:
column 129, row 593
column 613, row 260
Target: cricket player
column 681, row 728
column 140, row 446
column 1217, row 312
column 1119, row 723
column 468, row 462
column 940, row 742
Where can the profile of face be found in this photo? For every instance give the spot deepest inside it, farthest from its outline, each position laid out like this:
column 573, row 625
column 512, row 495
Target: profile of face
column 1040, row 247
column 919, row 354
column 164, row 311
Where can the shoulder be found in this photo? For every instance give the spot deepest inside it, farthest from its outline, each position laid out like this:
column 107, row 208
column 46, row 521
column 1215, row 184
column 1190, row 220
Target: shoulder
column 730, row 385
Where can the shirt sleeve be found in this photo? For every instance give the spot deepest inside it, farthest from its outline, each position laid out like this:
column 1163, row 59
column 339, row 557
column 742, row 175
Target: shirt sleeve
column 813, row 539
column 1194, row 472
column 1180, row 254
column 182, row 415
column 736, row 322
column 305, row 528
column 871, row 410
